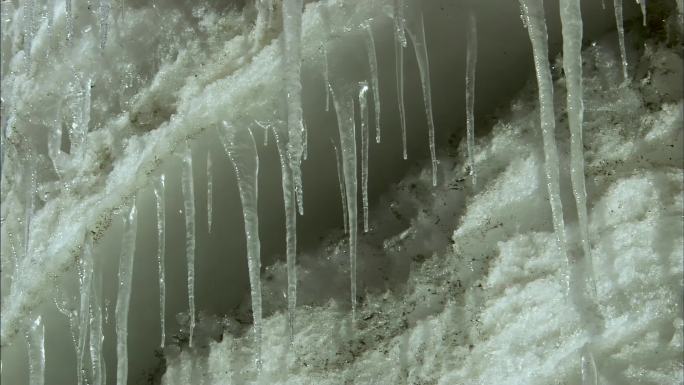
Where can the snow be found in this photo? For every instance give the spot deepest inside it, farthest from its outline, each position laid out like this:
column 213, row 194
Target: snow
column 491, row 305
column 109, row 103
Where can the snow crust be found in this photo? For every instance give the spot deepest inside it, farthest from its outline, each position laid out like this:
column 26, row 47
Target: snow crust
column 469, row 287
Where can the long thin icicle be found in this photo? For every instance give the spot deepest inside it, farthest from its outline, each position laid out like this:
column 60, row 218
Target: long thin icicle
column 326, row 77
column 399, row 22
column 290, row 227
column 363, row 108
column 536, row 28
column 69, row 21
column 210, row 188
column 642, row 5
column 160, row 200
column 588, row 367
column 571, row 19
column 29, row 10
column 85, row 283
column 340, row 178
column 375, row 84
column 97, row 363
column 344, row 108
column 35, row 337
column 418, row 38
column 471, row 63
column 243, row 154
column 123, row 299
column 103, row 16
column 189, row 210
column 585, row 287
column 292, row 31
column 399, row 62
column 617, row 4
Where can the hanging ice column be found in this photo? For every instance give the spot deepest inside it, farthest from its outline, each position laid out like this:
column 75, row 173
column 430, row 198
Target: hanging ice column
column 85, row 284
column 417, row 34
column 375, row 83
column 340, row 179
column 290, row 225
column 189, row 210
column 292, row 32
column 571, row 20
column 582, row 284
column 363, row 108
column 343, row 100
column 471, row 63
column 533, row 13
column 241, row 149
column 399, row 45
column 160, row 201
column 210, row 185
column 617, row 5
column 97, row 363
column 103, row 16
column 123, row 298
column 35, row 337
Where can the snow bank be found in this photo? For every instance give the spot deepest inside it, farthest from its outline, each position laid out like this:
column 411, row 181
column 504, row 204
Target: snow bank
column 468, row 287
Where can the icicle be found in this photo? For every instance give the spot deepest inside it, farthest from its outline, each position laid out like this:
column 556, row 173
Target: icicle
column 160, row 200
column 363, row 107
column 85, row 284
column 30, row 191
column 344, row 108
column 536, row 27
column 290, row 227
column 292, row 31
column 588, row 367
column 78, row 132
column 471, row 63
column 97, row 363
column 35, row 337
column 210, row 190
column 69, row 21
column 123, row 298
column 54, row 144
column 189, row 210
column 617, row 4
column 66, row 305
column 571, row 19
column 375, row 84
column 326, row 77
column 305, row 141
column 642, row 4
column 399, row 61
column 29, row 10
column 103, row 16
column 263, row 20
column 340, row 178
column 582, row 283
column 399, row 23
column 243, row 154
column 419, row 45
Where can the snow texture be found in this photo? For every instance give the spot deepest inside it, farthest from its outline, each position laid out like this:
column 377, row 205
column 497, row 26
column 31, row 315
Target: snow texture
column 485, row 299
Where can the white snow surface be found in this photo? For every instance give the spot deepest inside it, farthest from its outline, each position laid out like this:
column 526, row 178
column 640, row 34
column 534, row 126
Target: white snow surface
column 474, row 290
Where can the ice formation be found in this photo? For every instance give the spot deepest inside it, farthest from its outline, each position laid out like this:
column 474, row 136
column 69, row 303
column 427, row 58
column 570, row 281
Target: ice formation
column 188, row 184
column 471, row 63
column 160, row 205
column 505, row 317
column 445, row 281
column 123, row 298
